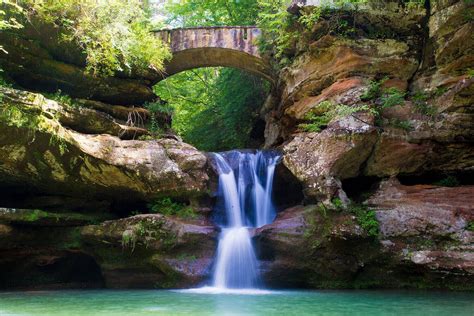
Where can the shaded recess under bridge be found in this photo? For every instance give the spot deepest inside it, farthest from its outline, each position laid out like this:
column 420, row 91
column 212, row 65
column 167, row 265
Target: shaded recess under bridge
column 223, row 46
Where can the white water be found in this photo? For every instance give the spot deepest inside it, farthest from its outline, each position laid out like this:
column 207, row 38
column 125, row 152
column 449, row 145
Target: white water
column 245, row 185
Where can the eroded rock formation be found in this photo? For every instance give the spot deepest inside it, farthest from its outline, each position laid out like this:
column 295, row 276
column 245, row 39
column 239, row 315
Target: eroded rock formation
column 82, row 166
column 425, row 241
column 43, row 151
column 425, row 238
column 424, row 54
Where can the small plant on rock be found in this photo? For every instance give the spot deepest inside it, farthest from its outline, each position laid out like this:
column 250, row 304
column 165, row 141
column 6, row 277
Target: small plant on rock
column 449, row 181
column 470, row 226
column 61, row 98
column 168, row 207
column 325, row 112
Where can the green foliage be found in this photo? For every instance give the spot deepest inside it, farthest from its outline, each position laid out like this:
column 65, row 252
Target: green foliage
column 392, row 97
column 384, row 98
column 414, row 4
column 14, row 116
column 366, row 218
column 449, row 181
column 189, row 13
column 8, row 22
column 3, row 82
column 420, row 102
column 470, row 73
column 61, row 98
column 146, row 231
column 159, row 107
column 115, row 35
column 309, row 18
column 440, row 91
column 402, row 124
column 156, row 109
column 59, row 142
column 281, row 30
column 325, row 112
column 215, row 109
column 277, row 26
column 374, row 91
column 168, row 207
column 470, row 226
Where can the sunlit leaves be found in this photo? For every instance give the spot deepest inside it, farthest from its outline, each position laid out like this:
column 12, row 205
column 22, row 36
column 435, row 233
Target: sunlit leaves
column 114, row 34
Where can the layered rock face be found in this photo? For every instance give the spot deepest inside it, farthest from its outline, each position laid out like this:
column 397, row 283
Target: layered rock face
column 66, row 173
column 39, row 60
column 425, row 53
column 58, row 250
column 42, row 152
column 425, row 238
column 83, row 167
column 425, row 241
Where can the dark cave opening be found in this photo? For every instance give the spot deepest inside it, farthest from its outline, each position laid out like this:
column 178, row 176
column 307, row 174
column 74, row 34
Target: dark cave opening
column 48, row 269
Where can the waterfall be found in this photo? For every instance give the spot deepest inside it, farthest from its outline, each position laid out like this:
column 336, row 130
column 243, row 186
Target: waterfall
column 245, row 191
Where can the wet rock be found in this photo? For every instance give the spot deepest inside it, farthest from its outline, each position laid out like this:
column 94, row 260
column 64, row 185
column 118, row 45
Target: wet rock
column 152, row 251
column 28, row 217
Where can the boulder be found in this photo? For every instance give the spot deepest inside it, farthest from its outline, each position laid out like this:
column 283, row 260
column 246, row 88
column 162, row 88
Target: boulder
column 147, row 251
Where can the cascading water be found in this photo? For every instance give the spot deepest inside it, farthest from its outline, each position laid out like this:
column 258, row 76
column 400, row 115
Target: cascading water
column 245, row 190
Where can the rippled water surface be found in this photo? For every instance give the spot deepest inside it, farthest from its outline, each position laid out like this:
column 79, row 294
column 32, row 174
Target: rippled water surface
column 209, row 302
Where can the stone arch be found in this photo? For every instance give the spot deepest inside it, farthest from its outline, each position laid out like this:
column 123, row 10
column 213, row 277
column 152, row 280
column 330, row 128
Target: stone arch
column 213, row 47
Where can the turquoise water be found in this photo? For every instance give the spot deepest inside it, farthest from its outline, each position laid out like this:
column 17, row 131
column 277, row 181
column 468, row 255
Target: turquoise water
column 154, row 302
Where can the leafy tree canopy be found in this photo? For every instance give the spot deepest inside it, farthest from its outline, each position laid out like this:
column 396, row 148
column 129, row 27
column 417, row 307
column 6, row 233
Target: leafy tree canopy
column 189, row 13
column 114, row 34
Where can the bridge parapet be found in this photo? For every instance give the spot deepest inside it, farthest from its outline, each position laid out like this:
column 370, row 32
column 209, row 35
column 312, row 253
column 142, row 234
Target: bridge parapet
column 226, row 46
column 241, row 38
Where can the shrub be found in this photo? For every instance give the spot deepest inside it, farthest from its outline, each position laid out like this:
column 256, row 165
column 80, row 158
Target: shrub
column 420, row 102
column 392, row 97
column 402, row 124
column 168, row 207
column 449, row 181
column 61, row 98
column 470, row 226
column 366, row 218
column 325, row 112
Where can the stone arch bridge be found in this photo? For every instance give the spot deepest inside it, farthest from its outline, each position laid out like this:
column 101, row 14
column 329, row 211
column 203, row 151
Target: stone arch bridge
column 225, row 46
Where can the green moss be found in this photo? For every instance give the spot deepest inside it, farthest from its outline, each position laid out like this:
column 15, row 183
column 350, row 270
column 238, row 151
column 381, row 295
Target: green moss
column 318, row 226
column 73, row 240
column 34, row 215
column 470, row 73
column 58, row 142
